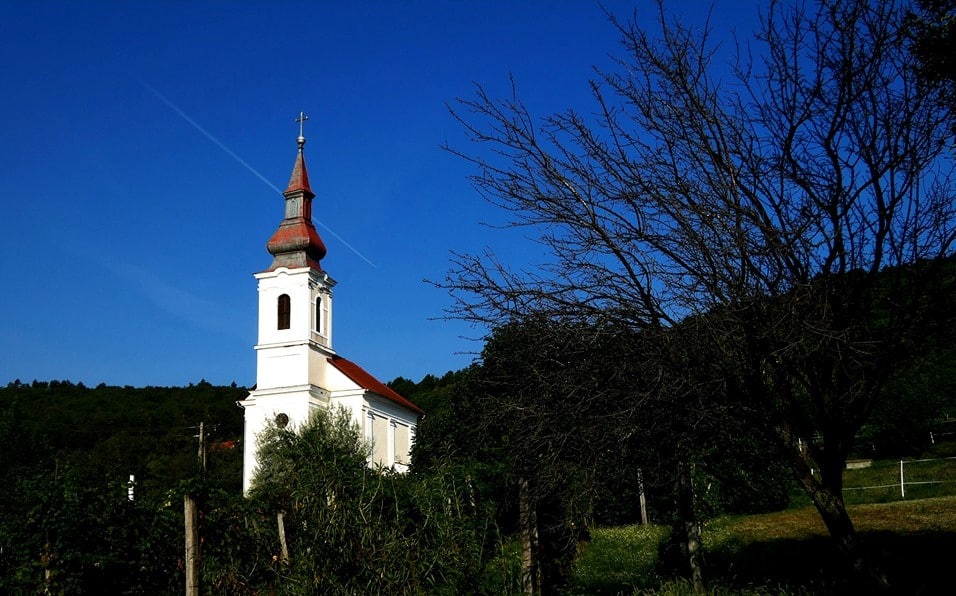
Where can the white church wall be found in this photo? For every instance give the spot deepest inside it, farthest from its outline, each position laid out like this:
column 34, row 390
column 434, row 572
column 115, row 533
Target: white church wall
column 286, row 366
column 389, row 428
column 337, row 380
column 392, row 432
column 320, row 373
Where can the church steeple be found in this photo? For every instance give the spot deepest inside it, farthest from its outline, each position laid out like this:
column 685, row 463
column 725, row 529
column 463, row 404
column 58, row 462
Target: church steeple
column 296, row 243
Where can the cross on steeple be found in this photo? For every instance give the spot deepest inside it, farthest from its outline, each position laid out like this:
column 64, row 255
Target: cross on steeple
column 301, row 120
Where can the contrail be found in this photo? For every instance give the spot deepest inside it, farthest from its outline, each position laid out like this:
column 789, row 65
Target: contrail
column 209, row 136
column 231, row 154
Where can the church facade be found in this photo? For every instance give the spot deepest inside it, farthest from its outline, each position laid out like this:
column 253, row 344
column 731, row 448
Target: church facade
column 297, row 369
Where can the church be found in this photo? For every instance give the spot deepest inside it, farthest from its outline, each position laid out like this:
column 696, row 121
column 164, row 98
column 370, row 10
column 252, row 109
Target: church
column 297, row 369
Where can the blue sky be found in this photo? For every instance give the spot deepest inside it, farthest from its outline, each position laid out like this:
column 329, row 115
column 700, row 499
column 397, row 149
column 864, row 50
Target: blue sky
column 129, row 238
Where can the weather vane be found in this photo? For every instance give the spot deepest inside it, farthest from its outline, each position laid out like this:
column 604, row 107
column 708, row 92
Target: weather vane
column 301, row 120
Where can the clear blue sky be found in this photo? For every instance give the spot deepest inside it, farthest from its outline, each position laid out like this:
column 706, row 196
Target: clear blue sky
column 129, row 239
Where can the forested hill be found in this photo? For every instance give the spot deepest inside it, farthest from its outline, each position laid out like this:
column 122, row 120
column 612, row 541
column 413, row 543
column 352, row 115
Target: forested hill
column 151, row 432
column 74, row 416
column 66, row 416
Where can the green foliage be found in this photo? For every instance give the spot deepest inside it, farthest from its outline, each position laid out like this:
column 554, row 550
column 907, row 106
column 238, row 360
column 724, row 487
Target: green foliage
column 74, row 416
column 78, row 526
column 66, row 524
column 931, row 475
column 431, row 391
column 790, row 549
column 351, row 529
column 741, row 472
column 238, row 542
column 911, row 405
column 150, row 432
column 451, row 428
column 453, row 436
column 683, row 587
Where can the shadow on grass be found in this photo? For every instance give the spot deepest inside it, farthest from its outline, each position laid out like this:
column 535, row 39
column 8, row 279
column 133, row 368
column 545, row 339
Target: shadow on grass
column 915, row 563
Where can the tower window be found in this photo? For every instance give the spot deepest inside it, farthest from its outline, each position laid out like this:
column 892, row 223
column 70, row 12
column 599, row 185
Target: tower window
column 285, row 310
column 318, row 314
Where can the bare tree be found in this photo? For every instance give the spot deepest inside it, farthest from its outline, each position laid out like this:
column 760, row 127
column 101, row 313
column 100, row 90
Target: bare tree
column 803, row 205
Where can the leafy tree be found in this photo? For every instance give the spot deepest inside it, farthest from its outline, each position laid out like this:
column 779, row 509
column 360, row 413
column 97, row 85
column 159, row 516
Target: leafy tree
column 769, row 205
column 350, row 529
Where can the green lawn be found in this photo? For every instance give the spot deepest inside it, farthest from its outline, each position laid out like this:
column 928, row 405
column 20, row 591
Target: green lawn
column 933, row 474
column 789, row 552
column 620, row 559
column 785, row 552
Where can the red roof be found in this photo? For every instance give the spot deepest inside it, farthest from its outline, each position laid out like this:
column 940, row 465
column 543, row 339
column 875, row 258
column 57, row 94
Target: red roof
column 366, row 381
column 297, row 235
column 300, row 176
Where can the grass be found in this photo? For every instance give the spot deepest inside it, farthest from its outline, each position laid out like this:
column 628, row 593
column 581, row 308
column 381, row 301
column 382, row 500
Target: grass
column 789, row 552
column 880, row 482
column 619, row 559
column 792, row 548
column 777, row 553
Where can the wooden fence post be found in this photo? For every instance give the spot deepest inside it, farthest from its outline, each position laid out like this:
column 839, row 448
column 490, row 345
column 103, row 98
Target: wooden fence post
column 192, row 546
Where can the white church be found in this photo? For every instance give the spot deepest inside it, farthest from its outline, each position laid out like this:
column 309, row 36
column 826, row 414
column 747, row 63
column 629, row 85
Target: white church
column 297, row 370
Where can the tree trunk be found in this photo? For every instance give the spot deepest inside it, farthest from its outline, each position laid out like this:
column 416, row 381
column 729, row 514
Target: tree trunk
column 529, row 539
column 827, row 497
column 689, row 525
column 833, row 511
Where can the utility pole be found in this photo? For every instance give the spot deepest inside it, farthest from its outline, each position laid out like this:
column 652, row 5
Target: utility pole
column 202, row 447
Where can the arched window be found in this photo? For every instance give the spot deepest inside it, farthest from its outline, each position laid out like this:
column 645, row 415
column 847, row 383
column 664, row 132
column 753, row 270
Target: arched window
column 285, row 311
column 318, row 314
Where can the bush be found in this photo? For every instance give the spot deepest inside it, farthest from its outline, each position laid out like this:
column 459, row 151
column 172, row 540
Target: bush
column 353, row 529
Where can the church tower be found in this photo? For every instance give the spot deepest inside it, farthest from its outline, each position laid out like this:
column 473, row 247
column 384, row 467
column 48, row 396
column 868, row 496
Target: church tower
column 297, row 370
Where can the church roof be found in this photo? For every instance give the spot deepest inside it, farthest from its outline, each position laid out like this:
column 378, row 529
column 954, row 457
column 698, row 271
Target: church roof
column 366, row 381
column 299, row 181
column 296, row 243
